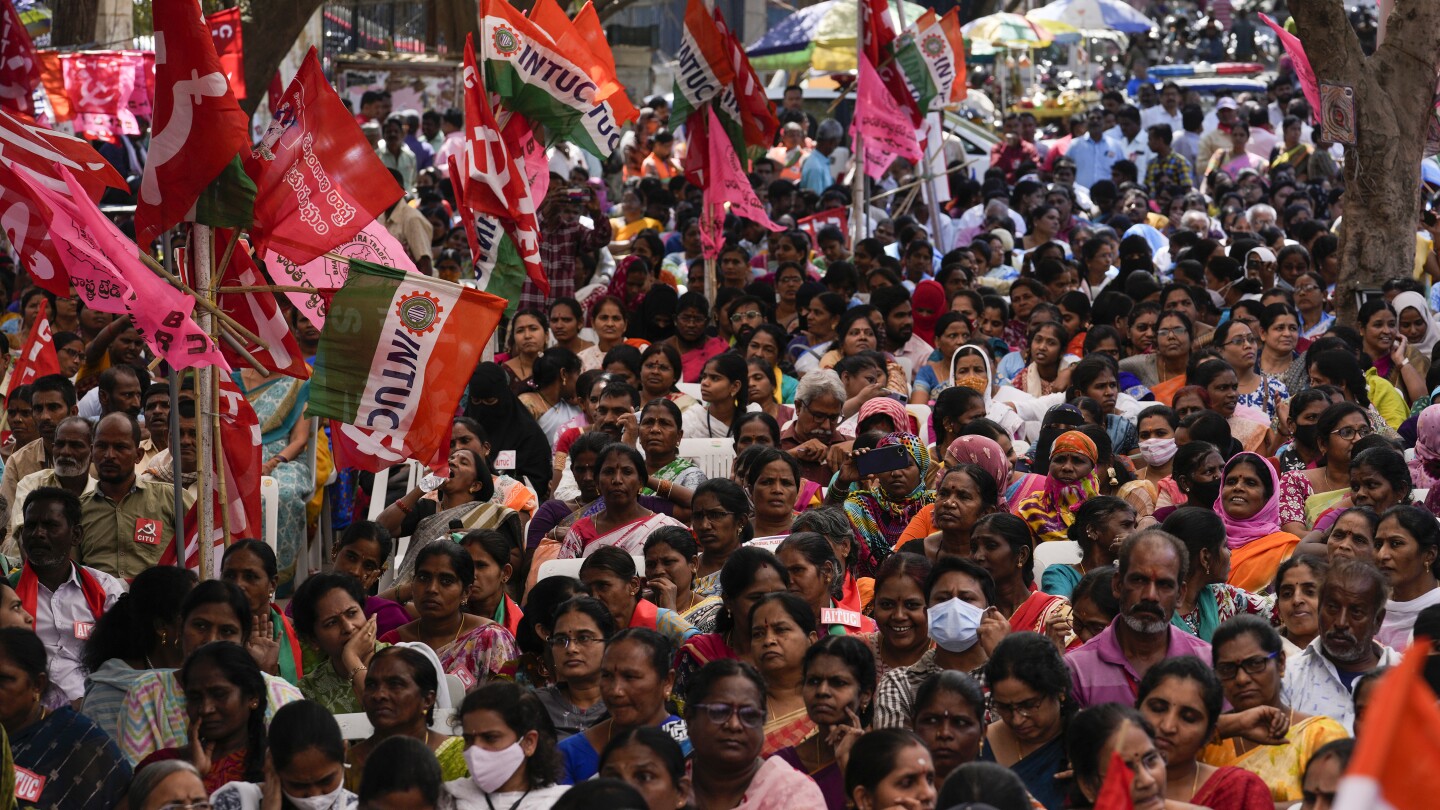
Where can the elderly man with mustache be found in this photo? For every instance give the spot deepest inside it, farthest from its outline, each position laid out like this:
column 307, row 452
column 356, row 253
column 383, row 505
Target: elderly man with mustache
column 1352, row 604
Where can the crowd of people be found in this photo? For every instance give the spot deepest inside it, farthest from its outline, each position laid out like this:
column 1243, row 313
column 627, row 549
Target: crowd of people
column 1078, row 464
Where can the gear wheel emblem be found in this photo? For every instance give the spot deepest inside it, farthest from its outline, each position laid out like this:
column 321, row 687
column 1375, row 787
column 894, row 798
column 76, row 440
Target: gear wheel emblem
column 507, row 42
column 419, row 312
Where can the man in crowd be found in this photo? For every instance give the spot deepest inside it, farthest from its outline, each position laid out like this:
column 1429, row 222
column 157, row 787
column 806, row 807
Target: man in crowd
column 128, row 522
column 71, row 471
column 819, row 410
column 817, row 174
column 1095, row 153
column 52, row 398
column 395, row 154
column 900, row 338
column 156, row 406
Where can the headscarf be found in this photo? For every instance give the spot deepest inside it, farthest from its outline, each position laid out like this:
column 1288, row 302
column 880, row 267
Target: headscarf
column 878, row 519
column 443, row 703
column 987, row 454
column 989, row 370
column 660, row 300
column 510, row 427
column 1416, row 301
column 1238, row 532
column 887, row 406
column 1050, row 512
column 931, row 296
column 1425, row 469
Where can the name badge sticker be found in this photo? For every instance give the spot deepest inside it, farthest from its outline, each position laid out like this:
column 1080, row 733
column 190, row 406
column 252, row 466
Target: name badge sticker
column 505, row 460
column 849, row 618
column 28, row 784
column 84, row 629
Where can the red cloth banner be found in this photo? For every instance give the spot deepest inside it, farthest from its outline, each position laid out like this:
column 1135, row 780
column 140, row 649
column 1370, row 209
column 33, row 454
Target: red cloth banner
column 225, row 30
column 19, row 67
column 813, row 224
column 37, row 356
column 99, row 86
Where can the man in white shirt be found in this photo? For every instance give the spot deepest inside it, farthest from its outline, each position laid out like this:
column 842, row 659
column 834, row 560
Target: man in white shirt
column 66, row 599
column 1166, row 112
column 1095, row 153
column 393, row 152
column 1133, row 140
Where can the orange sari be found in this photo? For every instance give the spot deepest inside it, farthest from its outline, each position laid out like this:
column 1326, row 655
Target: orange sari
column 1253, row 565
column 1165, row 392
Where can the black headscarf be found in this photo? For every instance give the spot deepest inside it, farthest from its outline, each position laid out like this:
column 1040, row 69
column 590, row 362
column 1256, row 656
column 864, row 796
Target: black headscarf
column 511, row 427
column 656, row 320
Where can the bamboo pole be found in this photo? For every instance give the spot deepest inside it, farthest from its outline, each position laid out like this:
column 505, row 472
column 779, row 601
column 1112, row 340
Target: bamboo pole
column 202, row 254
column 270, row 288
column 239, row 349
column 178, row 532
column 202, row 301
column 214, row 397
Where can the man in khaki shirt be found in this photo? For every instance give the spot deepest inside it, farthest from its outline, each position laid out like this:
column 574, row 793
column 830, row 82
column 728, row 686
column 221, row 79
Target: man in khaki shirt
column 52, row 398
column 128, row 523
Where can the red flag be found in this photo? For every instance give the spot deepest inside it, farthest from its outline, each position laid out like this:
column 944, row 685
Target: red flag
column 24, row 143
column 889, row 132
column 728, row 183
column 99, row 85
column 880, row 47
column 757, row 111
column 318, row 181
column 496, row 171
column 19, row 68
column 25, row 223
column 52, row 76
column 697, row 151
column 1115, row 793
column 105, row 269
column 37, row 356
column 259, row 313
column 225, row 30
column 1395, row 765
column 813, row 224
column 198, row 127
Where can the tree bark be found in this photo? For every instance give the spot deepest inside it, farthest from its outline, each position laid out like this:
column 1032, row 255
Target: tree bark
column 269, row 28
column 1394, row 95
column 72, row 22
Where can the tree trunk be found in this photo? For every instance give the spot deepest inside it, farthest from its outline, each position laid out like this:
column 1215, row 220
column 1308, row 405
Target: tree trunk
column 269, row 28
column 73, row 22
column 453, row 20
column 1394, row 95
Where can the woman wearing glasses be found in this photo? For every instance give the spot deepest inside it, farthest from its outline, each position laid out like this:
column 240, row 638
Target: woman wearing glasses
column 726, row 708
column 1239, row 347
column 1030, row 696
column 1164, row 371
column 1248, row 658
column 1304, row 494
column 582, row 626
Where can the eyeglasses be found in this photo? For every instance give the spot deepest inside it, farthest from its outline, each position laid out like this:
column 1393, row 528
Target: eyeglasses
column 1025, row 708
column 200, row 805
column 1227, row 670
column 691, row 318
column 823, row 418
column 711, row 516
column 1308, row 288
column 1243, row 340
column 562, row 642
column 1169, row 332
column 740, row 317
column 1348, row 433
column 718, row 713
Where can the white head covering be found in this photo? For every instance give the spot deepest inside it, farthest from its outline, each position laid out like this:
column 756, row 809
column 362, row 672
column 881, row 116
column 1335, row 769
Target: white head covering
column 442, row 692
column 1416, row 301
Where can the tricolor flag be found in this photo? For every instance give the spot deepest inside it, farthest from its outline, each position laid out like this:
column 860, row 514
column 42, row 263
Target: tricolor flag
column 703, row 65
column 584, row 41
column 879, row 45
column 540, row 80
column 943, row 47
column 1396, row 765
column 394, row 358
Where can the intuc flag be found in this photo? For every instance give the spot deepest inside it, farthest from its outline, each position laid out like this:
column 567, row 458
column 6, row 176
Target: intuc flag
column 198, row 127
column 885, row 125
column 395, row 357
column 702, row 65
column 1397, row 763
column 318, row 182
column 583, row 45
column 19, row 67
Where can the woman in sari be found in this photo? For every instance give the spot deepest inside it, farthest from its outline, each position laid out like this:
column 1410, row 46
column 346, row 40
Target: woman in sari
column 1246, row 653
column 610, row 576
column 1047, row 356
column 623, row 522
column 329, row 615
column 1395, row 361
column 1070, row 479
column 839, row 682
column 782, row 628
column 64, row 758
column 749, row 574
column 810, row 344
column 528, row 331
column 1030, row 696
column 610, row 318
column 404, row 690
column 1237, row 158
column 226, row 742
column 250, row 565
column 816, row 575
column 473, row 648
column 1304, row 494
column 1001, row 544
column 1154, row 483
column 551, row 400
column 880, row 515
column 720, row 517
column 1164, row 371
column 774, row 482
column 1221, row 387
column 660, row 367
column 279, row 402
column 509, row 493
column 668, row 474
column 153, row 715
column 1206, row 599
column 1181, row 699
column 963, row 494
column 490, row 403
column 1101, row 524
column 670, row 554
column 1249, row 506
column 466, row 496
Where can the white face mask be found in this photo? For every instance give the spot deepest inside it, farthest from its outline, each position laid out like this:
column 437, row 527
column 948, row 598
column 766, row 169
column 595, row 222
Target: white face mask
column 327, row 802
column 490, row 770
column 954, row 625
column 1158, row 452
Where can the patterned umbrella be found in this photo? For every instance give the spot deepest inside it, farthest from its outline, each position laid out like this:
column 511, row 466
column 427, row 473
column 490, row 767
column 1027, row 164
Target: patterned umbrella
column 1095, row 15
column 821, row 36
column 1007, row 30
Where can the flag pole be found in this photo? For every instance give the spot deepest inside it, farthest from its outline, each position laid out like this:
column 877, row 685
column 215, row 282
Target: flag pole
column 857, row 171
column 203, row 240
column 219, row 463
column 178, row 531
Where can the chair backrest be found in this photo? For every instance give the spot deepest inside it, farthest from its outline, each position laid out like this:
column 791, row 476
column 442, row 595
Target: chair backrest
column 922, row 417
column 714, row 457
column 1055, row 552
column 270, row 510
column 571, row 568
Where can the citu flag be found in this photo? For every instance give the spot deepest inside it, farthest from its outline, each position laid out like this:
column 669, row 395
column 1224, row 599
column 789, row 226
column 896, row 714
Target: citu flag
column 394, row 358
column 198, row 127
column 225, row 29
column 756, row 109
column 498, row 268
column 259, row 313
column 19, row 66
column 578, row 38
column 702, row 63
column 105, row 269
column 1397, row 763
column 318, row 182
column 551, row 87
column 37, row 357
column 25, row 143
column 495, row 171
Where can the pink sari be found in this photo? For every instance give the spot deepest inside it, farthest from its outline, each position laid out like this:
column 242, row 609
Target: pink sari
column 583, row 538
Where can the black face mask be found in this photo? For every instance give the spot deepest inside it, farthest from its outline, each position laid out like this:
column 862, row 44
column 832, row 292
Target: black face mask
column 1305, row 436
column 1203, row 495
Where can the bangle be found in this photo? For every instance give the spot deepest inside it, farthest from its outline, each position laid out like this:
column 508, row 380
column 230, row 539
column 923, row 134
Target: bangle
column 360, row 668
column 401, row 505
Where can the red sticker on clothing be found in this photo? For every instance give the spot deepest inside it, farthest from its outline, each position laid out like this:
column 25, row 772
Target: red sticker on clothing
column 147, row 531
column 84, row 629
column 28, row 785
column 467, row 678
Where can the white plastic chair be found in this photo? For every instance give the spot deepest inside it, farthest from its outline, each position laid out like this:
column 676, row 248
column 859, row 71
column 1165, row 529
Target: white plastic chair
column 922, row 416
column 270, row 510
column 571, row 568
column 714, row 457
column 1055, row 552
column 356, row 726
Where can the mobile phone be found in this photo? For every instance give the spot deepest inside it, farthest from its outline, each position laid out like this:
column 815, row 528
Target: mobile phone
column 883, row 459
column 576, row 194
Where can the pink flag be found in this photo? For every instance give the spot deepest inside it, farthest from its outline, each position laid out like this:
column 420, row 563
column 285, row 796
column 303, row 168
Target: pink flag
column 728, row 182
column 1301, row 63
column 19, row 67
column 374, row 244
column 105, row 269
column 886, row 125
